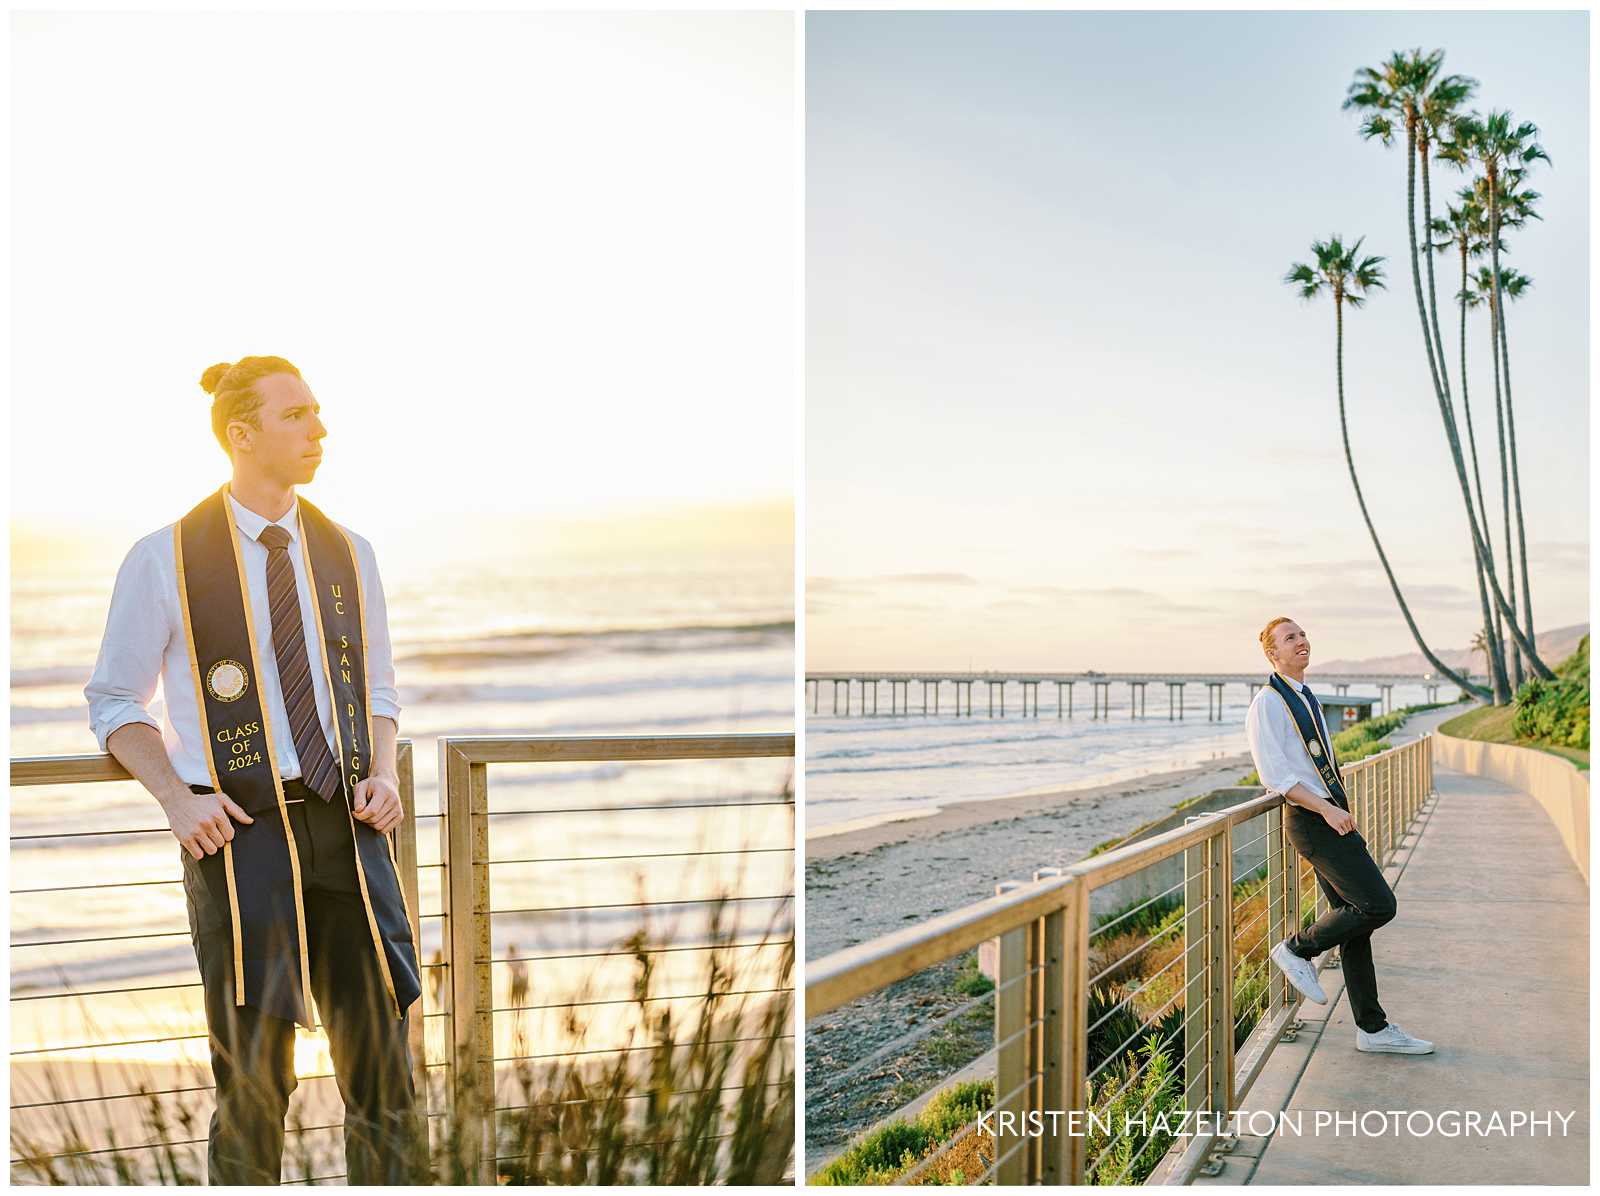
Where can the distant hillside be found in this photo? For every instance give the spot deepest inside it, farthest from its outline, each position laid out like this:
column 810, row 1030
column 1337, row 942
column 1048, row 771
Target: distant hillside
column 1554, row 647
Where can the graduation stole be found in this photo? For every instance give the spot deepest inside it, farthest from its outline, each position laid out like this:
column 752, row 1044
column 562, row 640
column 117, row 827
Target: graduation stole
column 1311, row 738
column 257, row 874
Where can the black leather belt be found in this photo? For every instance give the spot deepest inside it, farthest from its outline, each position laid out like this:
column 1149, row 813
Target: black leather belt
column 294, row 790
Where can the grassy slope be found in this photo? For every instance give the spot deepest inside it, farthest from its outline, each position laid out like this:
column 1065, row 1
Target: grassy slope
column 1492, row 724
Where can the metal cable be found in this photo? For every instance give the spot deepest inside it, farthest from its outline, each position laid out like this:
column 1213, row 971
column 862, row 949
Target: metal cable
column 604, row 954
column 657, row 855
column 706, row 805
column 739, row 992
column 1109, row 968
column 1148, row 981
column 625, row 1050
column 557, row 909
column 102, row 992
column 1105, row 926
column 1143, row 1026
column 125, row 884
column 920, row 1032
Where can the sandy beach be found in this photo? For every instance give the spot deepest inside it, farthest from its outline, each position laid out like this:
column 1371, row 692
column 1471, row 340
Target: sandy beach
column 866, row 882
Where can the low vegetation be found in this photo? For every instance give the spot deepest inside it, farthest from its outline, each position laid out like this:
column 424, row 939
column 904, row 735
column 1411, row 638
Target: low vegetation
column 701, row 1096
column 1551, row 716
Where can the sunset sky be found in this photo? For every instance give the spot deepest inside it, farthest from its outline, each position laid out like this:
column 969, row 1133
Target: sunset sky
column 1062, row 412
column 530, row 264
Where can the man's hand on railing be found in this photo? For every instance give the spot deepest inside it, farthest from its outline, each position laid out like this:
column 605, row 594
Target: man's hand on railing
column 203, row 822
column 377, row 802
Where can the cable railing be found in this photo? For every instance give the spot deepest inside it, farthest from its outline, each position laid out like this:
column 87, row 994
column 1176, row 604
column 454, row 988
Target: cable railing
column 471, row 968
column 1126, row 988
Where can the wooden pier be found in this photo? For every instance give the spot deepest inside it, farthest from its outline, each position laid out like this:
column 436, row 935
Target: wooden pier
column 858, row 692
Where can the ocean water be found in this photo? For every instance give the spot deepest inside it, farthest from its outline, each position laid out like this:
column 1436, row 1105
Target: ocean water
column 864, row 770
column 624, row 641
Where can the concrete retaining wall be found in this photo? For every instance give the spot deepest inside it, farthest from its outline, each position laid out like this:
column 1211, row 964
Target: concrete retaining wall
column 1555, row 783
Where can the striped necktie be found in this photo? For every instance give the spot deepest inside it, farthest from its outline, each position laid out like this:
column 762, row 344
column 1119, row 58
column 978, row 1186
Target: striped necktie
column 318, row 768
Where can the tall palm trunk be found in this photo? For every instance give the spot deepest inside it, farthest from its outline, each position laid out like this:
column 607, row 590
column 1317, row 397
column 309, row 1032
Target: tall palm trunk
column 1411, row 236
column 1445, row 670
column 1493, row 653
column 1433, row 298
column 1516, row 484
column 1480, row 547
column 1505, row 481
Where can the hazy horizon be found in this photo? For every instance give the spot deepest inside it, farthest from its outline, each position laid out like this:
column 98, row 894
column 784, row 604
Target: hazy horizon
column 1063, row 413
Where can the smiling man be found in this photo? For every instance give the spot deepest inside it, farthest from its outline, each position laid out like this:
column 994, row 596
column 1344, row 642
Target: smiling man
column 1294, row 756
column 264, row 622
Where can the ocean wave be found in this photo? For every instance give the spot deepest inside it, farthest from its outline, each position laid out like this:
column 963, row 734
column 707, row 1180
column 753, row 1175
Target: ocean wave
column 77, row 674
column 641, row 638
column 937, row 766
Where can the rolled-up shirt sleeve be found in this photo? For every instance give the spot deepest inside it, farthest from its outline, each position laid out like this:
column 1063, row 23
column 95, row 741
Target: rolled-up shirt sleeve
column 1267, row 726
column 382, row 696
column 128, row 669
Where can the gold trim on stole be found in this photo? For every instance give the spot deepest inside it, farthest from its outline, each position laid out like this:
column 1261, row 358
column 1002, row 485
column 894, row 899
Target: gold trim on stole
column 322, row 644
column 361, row 605
column 211, row 763
column 272, row 758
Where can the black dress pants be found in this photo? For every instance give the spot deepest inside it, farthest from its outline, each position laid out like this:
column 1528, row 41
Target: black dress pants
column 252, row 1053
column 1359, row 901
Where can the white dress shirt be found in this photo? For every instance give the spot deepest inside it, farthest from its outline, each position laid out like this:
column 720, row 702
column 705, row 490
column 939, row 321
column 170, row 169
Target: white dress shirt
column 1280, row 754
column 144, row 642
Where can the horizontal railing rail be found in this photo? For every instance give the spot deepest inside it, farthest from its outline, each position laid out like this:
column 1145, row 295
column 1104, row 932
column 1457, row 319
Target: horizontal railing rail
column 1041, row 934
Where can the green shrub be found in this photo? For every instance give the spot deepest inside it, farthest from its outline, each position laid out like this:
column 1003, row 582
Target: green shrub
column 1129, row 1158
column 970, row 982
column 893, row 1149
column 1557, row 711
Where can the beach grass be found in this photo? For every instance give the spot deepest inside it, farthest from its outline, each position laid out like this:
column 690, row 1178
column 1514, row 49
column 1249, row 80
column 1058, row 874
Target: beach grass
column 703, row 1094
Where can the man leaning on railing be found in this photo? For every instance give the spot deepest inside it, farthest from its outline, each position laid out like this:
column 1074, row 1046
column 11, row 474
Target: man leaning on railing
column 1294, row 756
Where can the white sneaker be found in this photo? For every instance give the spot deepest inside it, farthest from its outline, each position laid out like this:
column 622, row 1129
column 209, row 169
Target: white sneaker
column 1299, row 971
column 1392, row 1039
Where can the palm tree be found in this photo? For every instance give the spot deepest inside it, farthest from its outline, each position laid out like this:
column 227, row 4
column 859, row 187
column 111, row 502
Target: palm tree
column 1469, row 232
column 1480, row 643
column 1399, row 89
column 1408, row 88
column 1342, row 271
column 1512, row 285
column 1439, row 99
column 1459, row 230
column 1505, row 152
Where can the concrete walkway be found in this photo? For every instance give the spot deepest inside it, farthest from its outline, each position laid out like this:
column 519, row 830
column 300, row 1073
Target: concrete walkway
column 1489, row 958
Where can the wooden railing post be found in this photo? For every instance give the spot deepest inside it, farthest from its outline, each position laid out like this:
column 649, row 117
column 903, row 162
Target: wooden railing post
column 1197, row 1058
column 1011, row 1057
column 1219, row 884
column 464, row 843
column 1277, row 904
column 405, row 856
column 1291, row 880
column 1388, row 807
column 1064, row 1061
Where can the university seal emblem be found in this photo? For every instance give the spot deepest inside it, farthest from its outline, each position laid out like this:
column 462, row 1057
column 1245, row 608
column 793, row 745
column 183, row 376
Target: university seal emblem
column 226, row 680
column 1313, row 747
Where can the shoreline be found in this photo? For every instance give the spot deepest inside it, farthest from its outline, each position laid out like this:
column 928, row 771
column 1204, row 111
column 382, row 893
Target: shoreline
column 971, row 814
